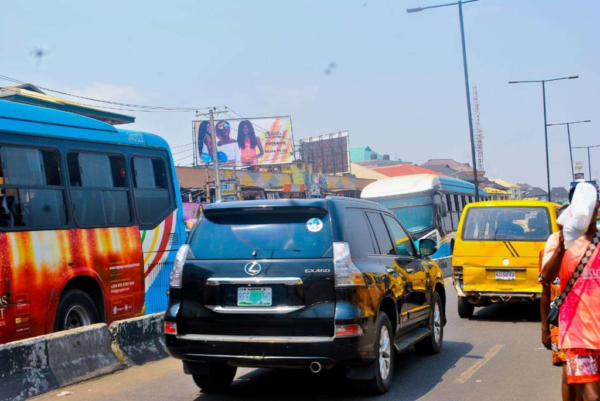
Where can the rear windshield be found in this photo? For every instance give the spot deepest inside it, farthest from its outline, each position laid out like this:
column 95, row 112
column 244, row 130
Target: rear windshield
column 282, row 233
column 507, row 224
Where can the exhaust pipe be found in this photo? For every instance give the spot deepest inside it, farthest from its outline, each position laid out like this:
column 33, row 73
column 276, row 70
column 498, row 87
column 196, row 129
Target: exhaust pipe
column 315, row 367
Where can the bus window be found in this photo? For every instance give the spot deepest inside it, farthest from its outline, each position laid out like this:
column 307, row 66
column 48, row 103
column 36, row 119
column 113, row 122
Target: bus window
column 151, row 189
column 99, row 189
column 457, row 203
column 449, row 202
column 30, row 188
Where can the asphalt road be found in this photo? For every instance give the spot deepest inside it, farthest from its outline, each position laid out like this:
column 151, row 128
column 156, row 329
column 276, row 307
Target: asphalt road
column 496, row 355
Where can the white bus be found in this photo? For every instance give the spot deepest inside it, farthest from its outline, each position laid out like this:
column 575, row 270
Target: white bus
column 428, row 205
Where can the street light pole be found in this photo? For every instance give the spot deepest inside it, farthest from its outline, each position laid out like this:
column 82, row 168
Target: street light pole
column 570, row 151
column 464, row 51
column 568, row 124
column 466, row 71
column 589, row 164
column 589, row 158
column 546, row 139
column 543, row 82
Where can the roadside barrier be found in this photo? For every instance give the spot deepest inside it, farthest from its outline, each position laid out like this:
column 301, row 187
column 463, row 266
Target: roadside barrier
column 25, row 370
column 139, row 340
column 40, row 364
column 37, row 365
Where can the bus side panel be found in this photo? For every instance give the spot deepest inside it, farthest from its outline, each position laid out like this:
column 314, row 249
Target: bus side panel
column 160, row 248
column 36, row 265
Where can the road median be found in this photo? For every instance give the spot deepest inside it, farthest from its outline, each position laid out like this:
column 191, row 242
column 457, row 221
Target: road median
column 37, row 365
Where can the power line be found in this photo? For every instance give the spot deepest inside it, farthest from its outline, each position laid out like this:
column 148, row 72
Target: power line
column 183, row 158
column 182, row 151
column 153, row 108
column 181, row 146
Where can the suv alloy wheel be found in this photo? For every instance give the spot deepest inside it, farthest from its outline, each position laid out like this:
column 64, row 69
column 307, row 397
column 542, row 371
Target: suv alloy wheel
column 385, row 353
column 433, row 343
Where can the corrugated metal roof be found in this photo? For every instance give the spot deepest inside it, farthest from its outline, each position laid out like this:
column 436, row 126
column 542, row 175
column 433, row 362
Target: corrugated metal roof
column 404, row 169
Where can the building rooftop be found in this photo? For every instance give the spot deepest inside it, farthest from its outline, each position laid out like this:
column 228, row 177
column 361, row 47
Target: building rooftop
column 450, row 163
column 403, row 169
column 504, row 183
column 362, row 154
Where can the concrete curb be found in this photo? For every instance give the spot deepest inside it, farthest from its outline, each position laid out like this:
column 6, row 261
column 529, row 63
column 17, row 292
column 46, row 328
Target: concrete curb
column 25, row 369
column 139, row 340
column 40, row 364
column 81, row 354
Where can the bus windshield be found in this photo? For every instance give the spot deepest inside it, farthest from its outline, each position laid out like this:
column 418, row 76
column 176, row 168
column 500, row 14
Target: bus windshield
column 507, row 224
column 415, row 218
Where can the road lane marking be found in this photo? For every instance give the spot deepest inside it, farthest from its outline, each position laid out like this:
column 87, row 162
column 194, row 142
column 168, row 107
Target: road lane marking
column 466, row 375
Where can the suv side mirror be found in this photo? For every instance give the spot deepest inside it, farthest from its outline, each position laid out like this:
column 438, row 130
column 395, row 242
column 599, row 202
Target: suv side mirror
column 427, row 247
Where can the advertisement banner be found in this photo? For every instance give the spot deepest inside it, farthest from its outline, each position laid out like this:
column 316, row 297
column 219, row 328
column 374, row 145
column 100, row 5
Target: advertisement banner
column 297, row 175
column 246, row 142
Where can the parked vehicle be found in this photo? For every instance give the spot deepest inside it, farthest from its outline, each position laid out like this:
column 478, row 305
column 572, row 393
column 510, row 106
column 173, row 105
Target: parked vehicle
column 428, row 205
column 90, row 220
column 497, row 249
column 308, row 284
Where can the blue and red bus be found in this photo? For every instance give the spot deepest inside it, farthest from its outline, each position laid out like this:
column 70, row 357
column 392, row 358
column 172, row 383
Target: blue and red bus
column 90, row 221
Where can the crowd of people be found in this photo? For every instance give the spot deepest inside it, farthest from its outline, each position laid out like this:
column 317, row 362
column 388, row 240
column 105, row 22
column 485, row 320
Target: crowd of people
column 246, row 150
column 570, row 307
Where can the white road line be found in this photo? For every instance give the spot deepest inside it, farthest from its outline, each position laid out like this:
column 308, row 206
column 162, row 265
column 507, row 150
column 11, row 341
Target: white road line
column 466, row 375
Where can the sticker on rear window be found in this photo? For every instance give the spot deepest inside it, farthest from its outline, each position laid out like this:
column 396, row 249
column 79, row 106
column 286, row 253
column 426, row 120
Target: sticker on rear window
column 314, row 225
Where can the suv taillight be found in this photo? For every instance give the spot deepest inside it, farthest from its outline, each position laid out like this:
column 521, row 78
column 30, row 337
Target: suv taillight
column 346, row 273
column 177, row 272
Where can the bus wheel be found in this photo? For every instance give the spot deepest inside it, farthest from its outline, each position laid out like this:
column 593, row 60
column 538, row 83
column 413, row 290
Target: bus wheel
column 76, row 309
column 465, row 308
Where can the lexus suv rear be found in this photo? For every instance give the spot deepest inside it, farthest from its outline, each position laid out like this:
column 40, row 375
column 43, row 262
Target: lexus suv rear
column 308, row 284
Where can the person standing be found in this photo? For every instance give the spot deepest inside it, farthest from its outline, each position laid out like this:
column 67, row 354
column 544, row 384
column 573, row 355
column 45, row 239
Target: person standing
column 225, row 144
column 550, row 333
column 248, row 142
column 204, row 141
column 579, row 319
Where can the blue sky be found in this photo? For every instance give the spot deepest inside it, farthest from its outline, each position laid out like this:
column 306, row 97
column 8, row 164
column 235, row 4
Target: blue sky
column 397, row 85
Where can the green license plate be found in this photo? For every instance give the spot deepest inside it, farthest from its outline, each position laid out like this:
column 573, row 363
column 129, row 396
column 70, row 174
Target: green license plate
column 255, row 296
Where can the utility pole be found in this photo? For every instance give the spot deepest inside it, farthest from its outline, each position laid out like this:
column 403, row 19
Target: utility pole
column 213, row 135
column 213, row 138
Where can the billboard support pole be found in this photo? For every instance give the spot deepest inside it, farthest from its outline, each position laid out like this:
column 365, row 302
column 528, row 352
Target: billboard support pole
column 194, row 144
column 213, row 136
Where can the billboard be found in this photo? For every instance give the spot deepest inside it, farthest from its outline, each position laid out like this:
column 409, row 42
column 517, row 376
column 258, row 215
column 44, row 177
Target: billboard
column 329, row 154
column 246, row 142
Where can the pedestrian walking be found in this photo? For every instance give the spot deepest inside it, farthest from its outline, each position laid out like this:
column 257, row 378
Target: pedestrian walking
column 575, row 261
column 550, row 332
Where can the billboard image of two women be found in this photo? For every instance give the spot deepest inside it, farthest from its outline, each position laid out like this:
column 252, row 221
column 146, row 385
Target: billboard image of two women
column 251, row 142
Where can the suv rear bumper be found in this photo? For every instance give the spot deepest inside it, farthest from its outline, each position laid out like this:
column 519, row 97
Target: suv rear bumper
column 272, row 351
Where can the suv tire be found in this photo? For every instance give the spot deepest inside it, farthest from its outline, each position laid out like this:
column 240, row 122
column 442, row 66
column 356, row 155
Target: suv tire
column 433, row 343
column 385, row 353
column 75, row 309
column 219, row 378
column 465, row 308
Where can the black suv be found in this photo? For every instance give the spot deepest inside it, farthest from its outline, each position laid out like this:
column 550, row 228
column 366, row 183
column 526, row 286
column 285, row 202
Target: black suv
column 312, row 284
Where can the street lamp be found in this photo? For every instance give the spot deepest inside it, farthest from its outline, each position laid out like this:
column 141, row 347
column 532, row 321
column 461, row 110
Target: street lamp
column 464, row 53
column 543, row 82
column 569, row 135
column 589, row 160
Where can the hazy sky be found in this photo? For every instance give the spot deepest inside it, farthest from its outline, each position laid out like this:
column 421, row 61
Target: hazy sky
column 397, row 84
